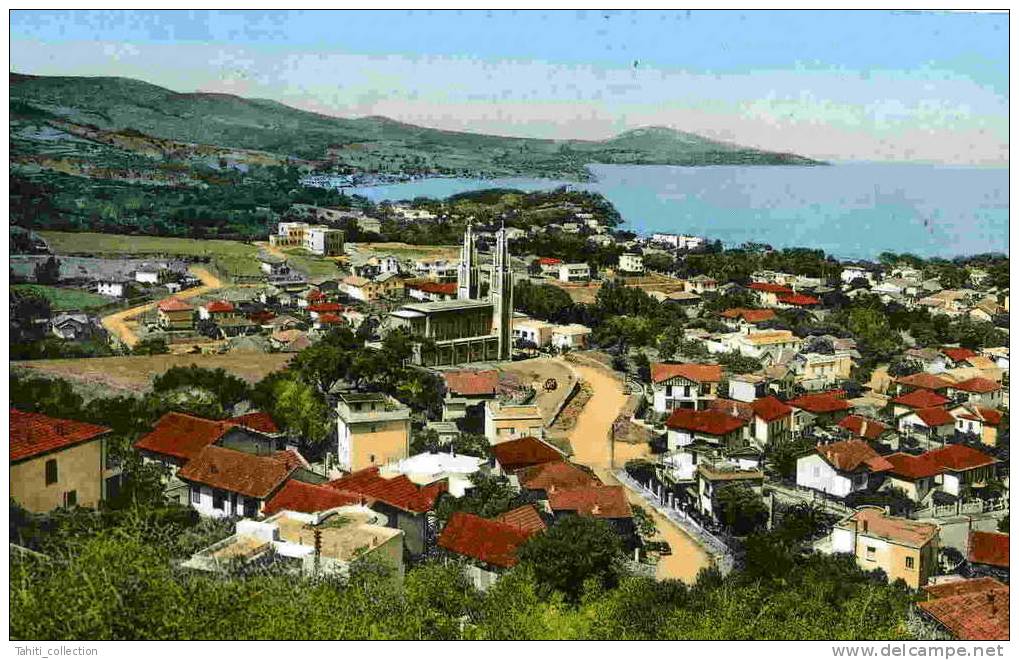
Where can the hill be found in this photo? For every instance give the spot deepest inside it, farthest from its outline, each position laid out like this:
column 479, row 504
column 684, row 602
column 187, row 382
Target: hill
column 130, row 118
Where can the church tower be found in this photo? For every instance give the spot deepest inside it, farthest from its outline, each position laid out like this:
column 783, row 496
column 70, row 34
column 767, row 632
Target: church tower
column 467, row 274
column 502, row 296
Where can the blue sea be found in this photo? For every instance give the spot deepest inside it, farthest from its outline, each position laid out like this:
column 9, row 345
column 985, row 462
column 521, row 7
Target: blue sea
column 849, row 210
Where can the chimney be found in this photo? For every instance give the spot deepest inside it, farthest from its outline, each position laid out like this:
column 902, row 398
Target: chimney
column 864, row 521
column 596, row 510
column 888, row 510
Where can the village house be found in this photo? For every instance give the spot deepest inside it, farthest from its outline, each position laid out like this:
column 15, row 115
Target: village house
column 747, row 387
column 514, row 455
column 570, row 337
column 927, row 425
column 962, row 469
column 504, row 421
column 365, row 290
column 987, row 554
column 916, row 400
column 226, row 482
column 606, row 503
column 57, row 463
column 631, row 262
column 700, row 284
column 838, row 469
column 541, row 480
column 317, row 239
column 319, row 546
column 579, row 272
column 438, row 270
column 746, row 320
column 767, row 346
column 406, row 505
column 113, row 287
column 713, row 428
column 430, row 291
column 818, row 409
column 922, row 381
column 916, row 476
column 489, row 545
column 175, row 314
column 73, row 326
column 979, row 391
column 903, row 549
column 714, row 477
column 851, row 273
column 771, row 422
column 533, row 331
column 217, row 310
column 974, row 420
column 866, row 429
column 767, row 293
column 371, row 429
column 683, row 385
column 971, row 610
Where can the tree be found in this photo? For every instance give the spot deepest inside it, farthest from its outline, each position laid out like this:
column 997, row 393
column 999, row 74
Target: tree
column 488, row 497
column 47, row 272
column 741, row 509
column 301, row 411
column 904, row 367
column 574, row 551
column 228, row 389
column 152, row 346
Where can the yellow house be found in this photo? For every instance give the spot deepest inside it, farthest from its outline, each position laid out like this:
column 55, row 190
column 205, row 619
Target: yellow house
column 902, row 548
column 507, row 422
column 56, row 462
column 372, row 429
column 175, row 314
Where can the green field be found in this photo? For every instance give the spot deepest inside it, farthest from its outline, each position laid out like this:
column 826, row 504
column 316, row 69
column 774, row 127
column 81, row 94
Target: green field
column 230, row 258
column 63, row 299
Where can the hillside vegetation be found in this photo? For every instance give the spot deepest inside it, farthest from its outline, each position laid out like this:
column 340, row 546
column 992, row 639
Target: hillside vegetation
column 130, row 117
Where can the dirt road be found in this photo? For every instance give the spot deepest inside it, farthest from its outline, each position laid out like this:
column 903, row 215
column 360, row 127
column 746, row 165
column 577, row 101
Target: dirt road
column 592, row 447
column 120, row 323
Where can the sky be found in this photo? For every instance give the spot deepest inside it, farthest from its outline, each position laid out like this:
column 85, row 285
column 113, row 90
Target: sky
column 860, row 85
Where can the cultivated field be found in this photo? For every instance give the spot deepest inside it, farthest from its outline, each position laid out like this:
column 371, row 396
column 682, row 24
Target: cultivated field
column 586, row 292
column 407, row 251
column 231, row 258
column 62, row 298
column 134, row 373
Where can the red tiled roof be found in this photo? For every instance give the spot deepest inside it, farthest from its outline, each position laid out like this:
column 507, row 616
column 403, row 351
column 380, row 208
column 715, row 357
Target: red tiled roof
column 596, row 501
column 978, row 613
column 490, row 541
column 472, row 383
column 520, row 453
column 738, row 409
column 33, row 434
column 549, row 261
column 698, row 373
column 256, row 421
column 863, row 427
column 874, row 522
column 314, row 294
column 958, row 354
column 988, row 548
column 712, row 422
column 821, row 402
column 960, row 457
column 924, row 381
column 555, row 475
column 174, row 305
column 307, row 498
column 977, row 385
column 770, row 288
column 262, row 316
column 331, row 319
column 399, row 491
column 769, row 409
column 525, row 517
column 182, row 436
column 798, row 299
column 961, row 587
column 326, row 307
column 290, row 457
column 219, row 306
column 920, row 399
column 850, row 455
column 444, row 288
column 934, row 417
column 236, row 471
column 749, row 315
column 988, row 416
column 912, row 467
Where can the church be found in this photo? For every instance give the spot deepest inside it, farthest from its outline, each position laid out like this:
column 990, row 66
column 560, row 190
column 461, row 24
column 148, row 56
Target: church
column 470, row 328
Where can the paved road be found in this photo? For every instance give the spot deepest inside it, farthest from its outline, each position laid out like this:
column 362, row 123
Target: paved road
column 119, row 323
column 593, row 448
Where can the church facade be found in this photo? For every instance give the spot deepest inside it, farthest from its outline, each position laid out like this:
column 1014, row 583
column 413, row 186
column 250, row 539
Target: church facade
column 468, row 329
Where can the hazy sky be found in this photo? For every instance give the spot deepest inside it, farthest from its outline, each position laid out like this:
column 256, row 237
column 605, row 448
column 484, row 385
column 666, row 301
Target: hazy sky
column 834, row 85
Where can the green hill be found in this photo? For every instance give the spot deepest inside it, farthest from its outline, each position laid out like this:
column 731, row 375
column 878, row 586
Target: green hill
column 374, row 144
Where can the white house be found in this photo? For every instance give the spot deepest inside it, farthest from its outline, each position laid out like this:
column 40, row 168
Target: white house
column 225, row 482
column 850, row 273
column 760, row 344
column 980, row 391
column 839, row 468
column 631, row 262
column 928, row 424
column 573, row 336
column 111, row 288
column 684, row 385
column 579, row 272
column 148, row 274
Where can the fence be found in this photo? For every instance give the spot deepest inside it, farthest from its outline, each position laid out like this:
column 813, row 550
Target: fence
column 961, row 508
column 670, row 509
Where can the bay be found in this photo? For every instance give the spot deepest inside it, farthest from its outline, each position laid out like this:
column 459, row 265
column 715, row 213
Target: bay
column 849, row 210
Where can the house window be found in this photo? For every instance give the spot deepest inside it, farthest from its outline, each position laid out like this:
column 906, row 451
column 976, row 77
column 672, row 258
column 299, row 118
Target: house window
column 51, row 471
column 909, row 563
column 71, row 498
column 218, row 499
column 372, row 458
column 870, row 553
column 196, row 494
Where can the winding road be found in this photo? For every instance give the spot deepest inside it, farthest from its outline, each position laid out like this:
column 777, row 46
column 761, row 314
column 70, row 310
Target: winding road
column 593, row 447
column 119, row 323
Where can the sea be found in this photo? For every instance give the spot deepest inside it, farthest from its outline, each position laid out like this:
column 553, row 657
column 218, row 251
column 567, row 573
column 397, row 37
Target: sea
column 849, row 210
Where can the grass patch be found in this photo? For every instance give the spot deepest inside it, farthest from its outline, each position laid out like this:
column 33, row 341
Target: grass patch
column 62, row 299
column 316, row 267
column 231, row 258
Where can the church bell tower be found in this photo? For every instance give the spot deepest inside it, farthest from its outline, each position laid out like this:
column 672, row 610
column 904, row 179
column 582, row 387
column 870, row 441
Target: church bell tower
column 467, row 274
column 502, row 296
